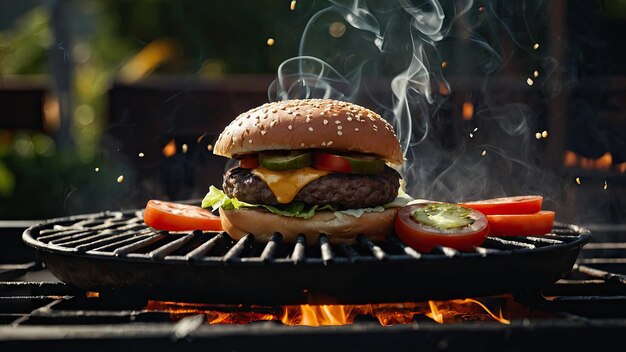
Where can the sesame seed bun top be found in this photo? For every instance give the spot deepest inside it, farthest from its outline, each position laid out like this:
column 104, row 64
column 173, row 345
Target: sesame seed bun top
column 310, row 124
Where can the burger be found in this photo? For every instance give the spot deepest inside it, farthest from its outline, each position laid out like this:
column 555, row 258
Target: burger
column 309, row 167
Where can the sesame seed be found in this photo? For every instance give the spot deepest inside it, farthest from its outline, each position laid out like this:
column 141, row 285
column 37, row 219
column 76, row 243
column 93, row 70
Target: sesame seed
column 274, row 111
column 339, row 133
column 356, row 129
column 311, row 129
column 323, row 144
column 272, row 123
column 349, row 119
column 263, row 133
column 248, row 116
column 337, row 122
column 301, row 145
column 323, row 113
column 329, row 143
column 290, row 127
column 250, row 141
column 240, row 123
column 308, row 119
column 325, row 122
column 339, row 127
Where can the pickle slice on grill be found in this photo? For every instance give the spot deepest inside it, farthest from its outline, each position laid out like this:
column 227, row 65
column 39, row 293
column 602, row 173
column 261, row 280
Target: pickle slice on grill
column 443, row 216
column 284, row 162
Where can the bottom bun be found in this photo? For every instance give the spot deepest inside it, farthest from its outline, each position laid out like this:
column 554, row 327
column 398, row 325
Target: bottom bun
column 338, row 227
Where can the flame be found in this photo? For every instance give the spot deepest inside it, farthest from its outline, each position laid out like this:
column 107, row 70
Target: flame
column 92, row 294
column 434, row 312
column 442, row 312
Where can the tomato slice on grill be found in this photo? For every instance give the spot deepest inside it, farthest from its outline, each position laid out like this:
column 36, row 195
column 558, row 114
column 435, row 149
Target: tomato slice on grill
column 538, row 223
column 424, row 226
column 179, row 217
column 249, row 163
column 353, row 164
column 507, row 205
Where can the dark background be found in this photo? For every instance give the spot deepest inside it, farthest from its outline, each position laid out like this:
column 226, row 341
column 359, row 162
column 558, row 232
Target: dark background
column 89, row 85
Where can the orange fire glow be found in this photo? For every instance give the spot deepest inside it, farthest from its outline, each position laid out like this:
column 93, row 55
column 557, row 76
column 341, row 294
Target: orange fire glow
column 442, row 312
column 170, row 149
column 468, row 110
column 603, row 163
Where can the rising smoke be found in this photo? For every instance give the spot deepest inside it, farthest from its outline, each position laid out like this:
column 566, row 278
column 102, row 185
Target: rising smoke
column 416, row 63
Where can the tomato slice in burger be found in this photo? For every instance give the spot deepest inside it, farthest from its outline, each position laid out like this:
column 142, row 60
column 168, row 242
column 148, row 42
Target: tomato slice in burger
column 424, row 226
column 538, row 223
column 353, row 164
column 249, row 163
column 507, row 205
column 179, row 217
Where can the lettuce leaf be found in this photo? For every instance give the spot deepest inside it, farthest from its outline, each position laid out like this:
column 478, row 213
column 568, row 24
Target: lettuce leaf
column 216, row 199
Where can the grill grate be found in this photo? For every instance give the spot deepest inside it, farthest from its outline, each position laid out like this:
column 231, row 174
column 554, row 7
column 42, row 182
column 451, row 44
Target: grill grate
column 116, row 250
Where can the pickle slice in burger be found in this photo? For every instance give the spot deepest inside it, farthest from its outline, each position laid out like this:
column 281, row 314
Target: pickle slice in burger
column 277, row 161
column 351, row 164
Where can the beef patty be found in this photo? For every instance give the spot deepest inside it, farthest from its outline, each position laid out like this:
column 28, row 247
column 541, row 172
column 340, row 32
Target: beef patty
column 343, row 191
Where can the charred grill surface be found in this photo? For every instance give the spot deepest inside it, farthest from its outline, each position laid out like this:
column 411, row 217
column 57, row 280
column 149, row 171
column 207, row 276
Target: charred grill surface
column 343, row 191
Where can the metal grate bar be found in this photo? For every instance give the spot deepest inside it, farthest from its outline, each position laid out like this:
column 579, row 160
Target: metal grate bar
column 237, row 249
column 447, row 251
column 122, row 241
column 138, row 245
column 204, row 248
column 70, row 239
column 500, row 243
column 54, row 234
column 326, row 250
column 170, row 247
column 114, row 240
column 298, row 254
column 409, row 251
column 377, row 251
column 270, row 249
column 89, row 239
column 484, row 251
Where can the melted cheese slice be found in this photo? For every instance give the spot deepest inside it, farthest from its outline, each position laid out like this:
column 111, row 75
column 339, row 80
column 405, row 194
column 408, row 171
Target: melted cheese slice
column 287, row 184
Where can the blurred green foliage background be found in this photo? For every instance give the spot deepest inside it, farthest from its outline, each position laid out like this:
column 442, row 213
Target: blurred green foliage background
column 103, row 41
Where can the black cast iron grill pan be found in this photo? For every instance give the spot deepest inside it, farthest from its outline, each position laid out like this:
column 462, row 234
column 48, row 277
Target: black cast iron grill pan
column 116, row 252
